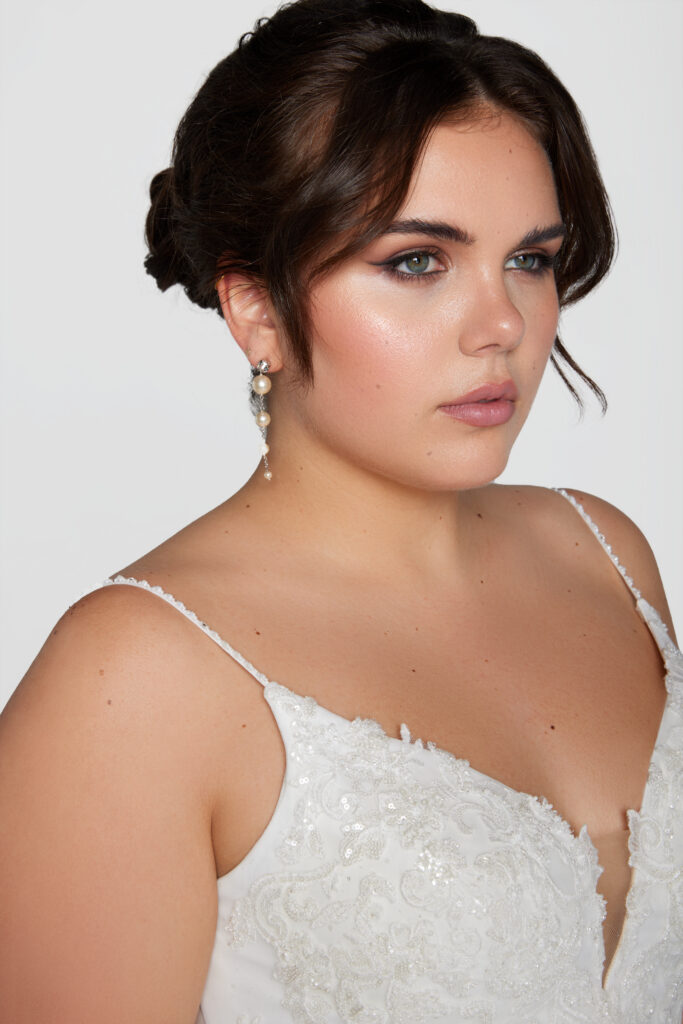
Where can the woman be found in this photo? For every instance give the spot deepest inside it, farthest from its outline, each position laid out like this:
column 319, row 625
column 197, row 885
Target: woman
column 388, row 210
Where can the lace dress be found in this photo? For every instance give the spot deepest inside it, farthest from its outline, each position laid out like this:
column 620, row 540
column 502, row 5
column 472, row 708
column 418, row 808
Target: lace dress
column 395, row 884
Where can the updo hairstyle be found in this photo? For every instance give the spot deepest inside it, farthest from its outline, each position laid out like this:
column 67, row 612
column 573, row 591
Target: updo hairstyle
column 300, row 147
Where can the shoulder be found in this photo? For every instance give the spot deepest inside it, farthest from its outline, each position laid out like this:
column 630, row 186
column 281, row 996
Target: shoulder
column 107, row 790
column 121, row 669
column 124, row 632
column 552, row 516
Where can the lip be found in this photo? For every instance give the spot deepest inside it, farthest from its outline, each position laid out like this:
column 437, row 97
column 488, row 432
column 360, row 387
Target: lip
column 487, row 406
column 505, row 389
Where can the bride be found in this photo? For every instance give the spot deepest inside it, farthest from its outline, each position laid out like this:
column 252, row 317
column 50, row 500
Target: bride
column 372, row 740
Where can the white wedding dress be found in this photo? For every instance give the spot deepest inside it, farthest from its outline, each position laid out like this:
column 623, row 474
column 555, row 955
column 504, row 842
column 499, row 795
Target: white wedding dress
column 395, row 884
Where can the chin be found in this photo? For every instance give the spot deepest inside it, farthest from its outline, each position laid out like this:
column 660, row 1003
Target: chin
column 467, row 471
column 449, row 473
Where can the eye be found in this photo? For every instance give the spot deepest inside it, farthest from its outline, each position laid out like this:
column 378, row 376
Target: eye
column 416, row 263
column 531, row 262
column 420, row 263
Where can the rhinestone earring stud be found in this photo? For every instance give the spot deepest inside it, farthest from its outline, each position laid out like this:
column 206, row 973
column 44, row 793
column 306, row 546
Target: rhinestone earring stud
column 260, row 386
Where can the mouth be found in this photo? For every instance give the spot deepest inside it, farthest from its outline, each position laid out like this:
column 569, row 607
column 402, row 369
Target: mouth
column 487, row 406
column 503, row 391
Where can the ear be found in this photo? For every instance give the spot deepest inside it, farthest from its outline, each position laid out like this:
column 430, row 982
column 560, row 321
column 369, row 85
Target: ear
column 249, row 314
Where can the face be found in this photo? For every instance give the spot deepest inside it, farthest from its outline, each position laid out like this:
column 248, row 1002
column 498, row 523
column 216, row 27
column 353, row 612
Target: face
column 429, row 345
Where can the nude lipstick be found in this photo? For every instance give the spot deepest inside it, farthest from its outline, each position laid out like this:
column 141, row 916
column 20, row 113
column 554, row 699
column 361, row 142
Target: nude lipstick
column 487, row 406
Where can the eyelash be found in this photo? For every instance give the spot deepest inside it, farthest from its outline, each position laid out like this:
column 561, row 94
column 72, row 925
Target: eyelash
column 544, row 264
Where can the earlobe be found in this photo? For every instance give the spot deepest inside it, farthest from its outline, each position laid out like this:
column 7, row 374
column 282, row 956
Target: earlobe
column 249, row 315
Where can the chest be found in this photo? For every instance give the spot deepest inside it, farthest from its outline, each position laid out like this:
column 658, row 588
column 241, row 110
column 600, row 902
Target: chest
column 553, row 694
column 557, row 694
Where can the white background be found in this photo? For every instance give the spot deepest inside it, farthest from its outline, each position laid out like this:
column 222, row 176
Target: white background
column 124, row 411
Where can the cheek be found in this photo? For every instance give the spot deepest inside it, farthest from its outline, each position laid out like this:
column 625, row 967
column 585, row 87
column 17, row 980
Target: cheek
column 541, row 315
column 550, row 325
column 361, row 340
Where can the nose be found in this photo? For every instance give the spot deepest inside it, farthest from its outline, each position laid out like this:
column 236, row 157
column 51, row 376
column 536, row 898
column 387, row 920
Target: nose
column 492, row 321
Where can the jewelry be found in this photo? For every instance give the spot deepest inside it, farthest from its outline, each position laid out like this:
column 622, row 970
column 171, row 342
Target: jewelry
column 260, row 386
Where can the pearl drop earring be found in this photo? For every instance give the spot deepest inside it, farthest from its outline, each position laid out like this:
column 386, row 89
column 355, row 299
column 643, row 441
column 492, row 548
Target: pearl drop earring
column 260, row 386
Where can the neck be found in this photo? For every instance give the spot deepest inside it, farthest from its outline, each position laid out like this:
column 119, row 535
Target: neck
column 349, row 516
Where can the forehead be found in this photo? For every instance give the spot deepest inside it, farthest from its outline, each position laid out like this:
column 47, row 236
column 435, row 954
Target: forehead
column 488, row 168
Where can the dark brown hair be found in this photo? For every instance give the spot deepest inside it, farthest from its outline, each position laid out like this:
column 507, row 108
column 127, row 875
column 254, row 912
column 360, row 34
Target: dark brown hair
column 300, row 147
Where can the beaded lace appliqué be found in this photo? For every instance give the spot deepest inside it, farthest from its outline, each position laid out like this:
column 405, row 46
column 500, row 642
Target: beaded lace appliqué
column 406, row 887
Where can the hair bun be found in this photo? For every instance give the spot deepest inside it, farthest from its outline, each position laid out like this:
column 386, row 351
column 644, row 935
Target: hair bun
column 164, row 261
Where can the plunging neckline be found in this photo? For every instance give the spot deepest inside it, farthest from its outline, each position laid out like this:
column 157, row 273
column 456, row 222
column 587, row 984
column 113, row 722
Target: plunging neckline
column 667, row 650
column 576, row 839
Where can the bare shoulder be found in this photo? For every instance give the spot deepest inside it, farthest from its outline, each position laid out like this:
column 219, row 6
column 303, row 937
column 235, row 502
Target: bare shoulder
column 125, row 669
column 550, row 513
column 106, row 793
column 631, row 547
column 117, row 645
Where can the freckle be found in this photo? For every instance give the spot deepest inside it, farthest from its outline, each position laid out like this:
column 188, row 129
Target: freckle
column 519, row 504
column 247, row 506
column 481, row 581
column 108, row 702
column 479, row 515
column 576, row 543
column 412, row 670
column 552, row 726
column 486, row 661
column 378, row 386
column 244, row 725
column 258, row 632
column 569, row 590
column 417, row 629
column 386, row 632
column 55, row 631
column 101, row 671
column 429, row 453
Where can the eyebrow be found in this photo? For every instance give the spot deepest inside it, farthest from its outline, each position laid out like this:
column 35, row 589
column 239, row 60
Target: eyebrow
column 452, row 233
column 437, row 229
column 537, row 235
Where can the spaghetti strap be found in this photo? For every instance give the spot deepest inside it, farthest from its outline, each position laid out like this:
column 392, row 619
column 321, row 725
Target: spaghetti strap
column 600, row 537
column 179, row 606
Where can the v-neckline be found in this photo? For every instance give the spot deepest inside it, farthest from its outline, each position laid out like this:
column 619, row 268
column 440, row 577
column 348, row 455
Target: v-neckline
column 665, row 646
column 582, row 837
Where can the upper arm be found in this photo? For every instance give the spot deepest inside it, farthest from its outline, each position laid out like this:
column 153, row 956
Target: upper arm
column 108, row 878
column 631, row 548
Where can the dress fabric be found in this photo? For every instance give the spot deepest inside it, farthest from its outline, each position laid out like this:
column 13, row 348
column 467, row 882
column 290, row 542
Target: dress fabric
column 395, row 884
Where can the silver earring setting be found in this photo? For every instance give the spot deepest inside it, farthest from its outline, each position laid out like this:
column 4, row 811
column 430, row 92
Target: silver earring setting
column 260, row 386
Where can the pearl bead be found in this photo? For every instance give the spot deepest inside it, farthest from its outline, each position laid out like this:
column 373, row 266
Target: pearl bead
column 265, row 448
column 263, row 418
column 261, row 385
column 268, row 475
